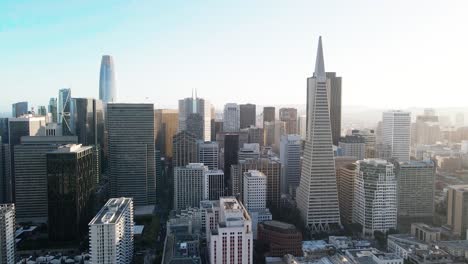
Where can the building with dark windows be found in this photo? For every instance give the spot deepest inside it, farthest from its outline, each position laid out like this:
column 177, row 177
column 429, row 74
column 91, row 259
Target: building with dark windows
column 215, row 186
column 70, row 188
column 87, row 119
column 184, row 147
column 17, row 128
column 289, row 117
column 231, row 153
column 52, row 110
column 199, row 106
column 166, row 123
column 131, row 151
column 107, row 89
column 195, row 124
column 335, row 105
column 63, row 110
column 248, row 116
column 283, row 238
column 19, row 109
column 268, row 114
column 31, row 176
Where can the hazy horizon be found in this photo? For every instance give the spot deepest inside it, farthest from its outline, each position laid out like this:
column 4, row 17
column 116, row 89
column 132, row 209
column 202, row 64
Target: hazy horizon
column 391, row 55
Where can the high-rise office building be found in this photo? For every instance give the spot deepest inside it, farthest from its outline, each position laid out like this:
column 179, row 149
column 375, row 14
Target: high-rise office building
column 369, row 140
column 290, row 156
column 396, row 134
column 254, row 190
column 231, row 241
column 231, row 118
column 345, row 178
column 457, row 209
column 111, row 233
column 289, row 116
column 41, row 110
column 7, row 234
column 302, row 126
column 353, row 146
column 166, row 122
column 31, row 176
column 189, row 185
column 317, row 195
column 214, row 184
column 195, row 125
column 63, row 102
column 4, row 171
column 4, row 130
column 254, row 198
column 249, row 151
column 130, row 141
column 375, row 196
column 270, row 166
column 255, row 135
column 426, row 129
column 19, row 109
column 208, row 154
column 335, row 105
column 70, row 188
column 248, row 115
column 216, row 127
column 87, row 123
column 52, row 109
column 184, row 149
column 107, row 89
column 269, row 133
column 202, row 108
column 231, row 152
column 63, row 110
column 416, row 186
column 17, row 128
column 269, row 114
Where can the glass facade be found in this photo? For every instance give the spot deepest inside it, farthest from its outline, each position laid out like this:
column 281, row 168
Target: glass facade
column 70, row 187
column 107, row 90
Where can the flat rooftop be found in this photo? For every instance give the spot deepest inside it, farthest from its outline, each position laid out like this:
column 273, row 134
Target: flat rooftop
column 111, row 211
column 278, row 224
column 71, row 148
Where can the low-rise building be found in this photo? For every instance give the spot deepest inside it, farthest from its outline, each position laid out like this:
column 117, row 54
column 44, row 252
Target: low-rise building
column 283, row 238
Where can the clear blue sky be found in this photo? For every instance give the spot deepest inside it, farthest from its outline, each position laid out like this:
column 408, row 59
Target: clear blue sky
column 392, row 54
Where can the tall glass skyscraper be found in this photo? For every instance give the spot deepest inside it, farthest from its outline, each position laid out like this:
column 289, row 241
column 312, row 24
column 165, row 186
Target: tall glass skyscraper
column 64, row 103
column 107, row 90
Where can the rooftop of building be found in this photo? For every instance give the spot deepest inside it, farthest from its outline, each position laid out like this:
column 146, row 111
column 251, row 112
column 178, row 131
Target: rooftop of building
column 195, row 166
column 215, row 172
column 417, row 163
column 279, row 225
column 48, row 139
column 407, row 241
column 460, row 187
column 427, row 227
column 454, row 244
column 254, row 173
column 26, row 117
column 111, row 211
column 375, row 162
column 71, row 148
column 176, row 249
column 369, row 256
column 357, row 139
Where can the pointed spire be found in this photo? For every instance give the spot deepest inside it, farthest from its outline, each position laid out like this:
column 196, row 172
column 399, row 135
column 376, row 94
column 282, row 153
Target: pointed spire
column 319, row 63
column 192, row 93
column 196, row 93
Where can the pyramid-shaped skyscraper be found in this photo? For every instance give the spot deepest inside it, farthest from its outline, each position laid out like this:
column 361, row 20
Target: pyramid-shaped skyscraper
column 317, row 196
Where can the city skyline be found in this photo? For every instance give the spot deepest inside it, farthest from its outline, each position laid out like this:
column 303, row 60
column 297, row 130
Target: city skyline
column 234, row 49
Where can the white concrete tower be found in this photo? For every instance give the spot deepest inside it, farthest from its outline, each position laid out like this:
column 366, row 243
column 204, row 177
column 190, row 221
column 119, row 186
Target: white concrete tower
column 317, row 195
